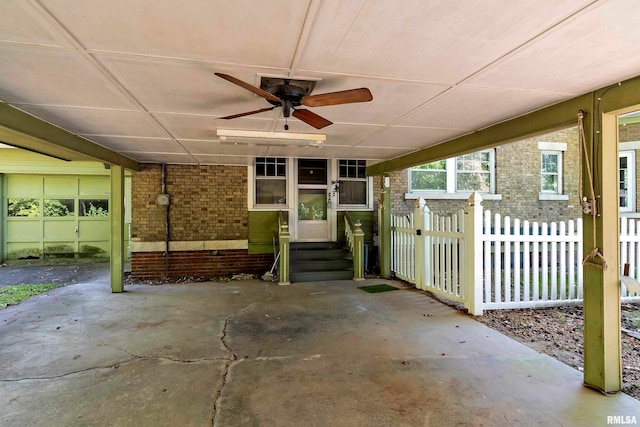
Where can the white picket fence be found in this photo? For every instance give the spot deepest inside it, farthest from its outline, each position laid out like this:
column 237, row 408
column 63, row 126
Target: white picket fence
column 489, row 262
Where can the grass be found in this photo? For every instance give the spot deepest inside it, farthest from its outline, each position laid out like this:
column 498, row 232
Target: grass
column 12, row 295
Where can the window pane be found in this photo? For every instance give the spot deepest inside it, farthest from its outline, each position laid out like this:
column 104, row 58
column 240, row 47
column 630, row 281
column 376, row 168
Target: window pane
column 549, row 163
column 474, row 162
column 93, row 207
column 271, row 191
column 439, row 165
column 352, row 193
column 23, row 207
column 312, row 205
column 312, row 171
column 479, row 181
column 59, row 207
column 271, row 166
column 550, row 183
column 428, row 180
column 624, row 182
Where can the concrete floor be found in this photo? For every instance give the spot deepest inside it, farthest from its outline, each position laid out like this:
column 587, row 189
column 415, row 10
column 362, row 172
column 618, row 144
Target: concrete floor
column 255, row 354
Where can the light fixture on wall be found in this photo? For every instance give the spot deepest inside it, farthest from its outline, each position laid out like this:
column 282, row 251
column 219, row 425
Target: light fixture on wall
column 281, row 138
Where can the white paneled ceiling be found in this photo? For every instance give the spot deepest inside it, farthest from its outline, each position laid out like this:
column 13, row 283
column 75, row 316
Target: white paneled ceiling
column 138, row 76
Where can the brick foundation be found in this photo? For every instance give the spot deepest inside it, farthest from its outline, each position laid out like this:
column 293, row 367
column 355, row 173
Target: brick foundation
column 206, row 264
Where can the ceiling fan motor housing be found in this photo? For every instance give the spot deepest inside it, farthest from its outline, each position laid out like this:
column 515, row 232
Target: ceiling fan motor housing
column 290, row 96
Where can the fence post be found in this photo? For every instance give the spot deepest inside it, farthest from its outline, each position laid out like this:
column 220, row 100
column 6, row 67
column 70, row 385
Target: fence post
column 283, row 266
column 473, row 255
column 422, row 255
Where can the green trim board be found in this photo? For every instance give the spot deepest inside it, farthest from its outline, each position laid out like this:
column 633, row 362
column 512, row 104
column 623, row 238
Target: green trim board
column 555, row 117
column 20, row 129
column 263, row 226
column 18, row 161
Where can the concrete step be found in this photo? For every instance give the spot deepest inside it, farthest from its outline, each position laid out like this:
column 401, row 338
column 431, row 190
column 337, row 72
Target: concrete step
column 317, row 261
column 320, row 265
column 319, row 276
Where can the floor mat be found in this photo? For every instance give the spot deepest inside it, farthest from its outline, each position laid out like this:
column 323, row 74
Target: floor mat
column 383, row 287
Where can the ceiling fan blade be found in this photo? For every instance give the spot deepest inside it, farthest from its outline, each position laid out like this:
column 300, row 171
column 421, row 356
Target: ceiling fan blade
column 248, row 113
column 335, row 98
column 311, row 118
column 250, row 88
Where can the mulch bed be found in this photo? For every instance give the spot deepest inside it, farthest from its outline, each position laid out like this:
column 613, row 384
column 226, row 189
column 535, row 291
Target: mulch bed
column 558, row 332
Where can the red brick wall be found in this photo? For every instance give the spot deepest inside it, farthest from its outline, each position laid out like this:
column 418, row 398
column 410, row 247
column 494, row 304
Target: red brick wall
column 198, row 264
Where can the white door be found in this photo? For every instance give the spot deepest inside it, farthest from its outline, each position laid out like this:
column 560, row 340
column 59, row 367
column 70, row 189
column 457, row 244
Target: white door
column 313, row 211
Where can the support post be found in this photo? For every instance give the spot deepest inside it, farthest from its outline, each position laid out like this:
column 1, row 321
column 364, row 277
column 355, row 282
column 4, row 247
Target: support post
column 384, row 220
column 116, row 213
column 602, row 341
column 358, row 251
column 283, row 263
column 473, row 255
column 3, row 212
column 422, row 242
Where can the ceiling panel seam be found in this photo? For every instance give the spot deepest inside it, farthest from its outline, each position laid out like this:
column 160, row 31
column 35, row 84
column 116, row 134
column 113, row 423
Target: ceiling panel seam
column 101, row 68
column 524, row 44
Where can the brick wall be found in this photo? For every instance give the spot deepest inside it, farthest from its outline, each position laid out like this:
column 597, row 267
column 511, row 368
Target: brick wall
column 198, row 264
column 207, row 203
column 517, row 180
column 630, row 132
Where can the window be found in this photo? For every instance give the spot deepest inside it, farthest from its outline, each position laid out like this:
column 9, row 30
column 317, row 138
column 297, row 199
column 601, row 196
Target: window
column 462, row 174
column 93, row 207
column 352, row 188
column 59, row 207
column 551, row 159
column 23, row 207
column 473, row 172
column 432, row 176
column 551, row 172
column 271, row 181
column 627, row 181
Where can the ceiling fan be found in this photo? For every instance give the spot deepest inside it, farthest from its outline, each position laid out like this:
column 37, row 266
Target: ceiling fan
column 290, row 96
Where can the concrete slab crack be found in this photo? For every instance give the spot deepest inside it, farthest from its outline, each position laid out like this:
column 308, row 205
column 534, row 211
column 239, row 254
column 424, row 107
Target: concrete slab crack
column 116, row 365
column 233, row 356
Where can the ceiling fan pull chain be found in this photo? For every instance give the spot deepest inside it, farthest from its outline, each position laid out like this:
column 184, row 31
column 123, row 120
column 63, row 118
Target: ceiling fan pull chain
column 286, row 123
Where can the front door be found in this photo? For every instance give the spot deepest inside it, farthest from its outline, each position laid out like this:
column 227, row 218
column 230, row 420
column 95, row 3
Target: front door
column 313, row 209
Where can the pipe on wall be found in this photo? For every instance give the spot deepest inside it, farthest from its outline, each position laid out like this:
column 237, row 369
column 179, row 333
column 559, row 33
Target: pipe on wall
column 167, row 222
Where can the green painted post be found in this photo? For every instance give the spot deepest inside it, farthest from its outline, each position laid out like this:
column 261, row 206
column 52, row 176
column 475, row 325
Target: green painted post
column 358, row 251
column 384, row 218
column 283, row 265
column 602, row 340
column 116, row 213
column 3, row 213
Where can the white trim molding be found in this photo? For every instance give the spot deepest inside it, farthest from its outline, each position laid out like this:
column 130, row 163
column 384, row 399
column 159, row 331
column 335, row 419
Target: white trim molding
column 196, row 245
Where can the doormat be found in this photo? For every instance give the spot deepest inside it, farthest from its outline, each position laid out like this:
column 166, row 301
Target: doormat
column 378, row 288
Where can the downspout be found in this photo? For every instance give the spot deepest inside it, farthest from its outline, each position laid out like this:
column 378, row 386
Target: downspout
column 166, row 219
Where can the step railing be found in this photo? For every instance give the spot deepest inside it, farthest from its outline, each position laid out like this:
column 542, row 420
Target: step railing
column 284, row 241
column 355, row 241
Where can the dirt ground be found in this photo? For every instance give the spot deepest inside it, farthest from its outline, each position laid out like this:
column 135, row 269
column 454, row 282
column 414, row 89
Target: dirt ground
column 558, row 332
